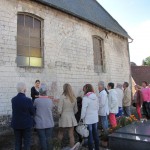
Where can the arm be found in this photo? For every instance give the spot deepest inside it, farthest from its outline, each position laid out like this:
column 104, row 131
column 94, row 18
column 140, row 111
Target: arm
column 102, row 100
column 75, row 108
column 60, row 105
column 141, row 97
column 84, row 107
column 31, row 107
column 149, row 94
column 114, row 100
column 33, row 93
column 127, row 97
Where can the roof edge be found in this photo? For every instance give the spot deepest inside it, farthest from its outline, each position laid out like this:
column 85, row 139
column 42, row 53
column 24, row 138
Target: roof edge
column 82, row 18
column 112, row 18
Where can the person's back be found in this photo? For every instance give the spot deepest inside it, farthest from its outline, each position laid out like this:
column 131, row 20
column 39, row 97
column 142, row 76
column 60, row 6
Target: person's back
column 120, row 95
column 44, row 116
column 68, row 106
column 146, row 94
column 89, row 115
column 22, row 118
column 90, row 108
column 22, row 112
column 127, row 97
column 103, row 103
column 113, row 101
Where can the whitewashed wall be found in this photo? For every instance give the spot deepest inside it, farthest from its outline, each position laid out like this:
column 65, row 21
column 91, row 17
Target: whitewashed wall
column 68, row 50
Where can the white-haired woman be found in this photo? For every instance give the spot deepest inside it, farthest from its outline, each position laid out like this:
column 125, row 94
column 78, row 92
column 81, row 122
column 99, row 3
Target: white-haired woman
column 44, row 122
column 120, row 96
column 67, row 108
column 103, row 105
column 22, row 117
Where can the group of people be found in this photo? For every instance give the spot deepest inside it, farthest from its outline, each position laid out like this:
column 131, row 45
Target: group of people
column 141, row 98
column 108, row 104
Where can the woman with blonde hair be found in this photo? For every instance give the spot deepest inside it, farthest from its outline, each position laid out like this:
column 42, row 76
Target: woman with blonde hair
column 67, row 108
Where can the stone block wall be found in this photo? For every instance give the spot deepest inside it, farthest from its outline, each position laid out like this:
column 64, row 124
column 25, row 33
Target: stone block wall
column 68, row 52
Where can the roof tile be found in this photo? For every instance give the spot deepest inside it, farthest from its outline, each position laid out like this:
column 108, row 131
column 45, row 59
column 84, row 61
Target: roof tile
column 88, row 10
column 140, row 73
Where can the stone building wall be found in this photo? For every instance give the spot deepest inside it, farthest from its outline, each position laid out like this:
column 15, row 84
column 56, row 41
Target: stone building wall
column 68, row 52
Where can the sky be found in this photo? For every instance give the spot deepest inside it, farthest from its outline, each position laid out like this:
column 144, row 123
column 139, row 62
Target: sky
column 134, row 17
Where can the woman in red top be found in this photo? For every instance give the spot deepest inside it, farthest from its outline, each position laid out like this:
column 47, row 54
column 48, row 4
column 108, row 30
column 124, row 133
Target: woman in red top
column 138, row 100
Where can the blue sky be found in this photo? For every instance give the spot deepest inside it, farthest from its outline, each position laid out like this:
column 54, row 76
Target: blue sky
column 134, row 17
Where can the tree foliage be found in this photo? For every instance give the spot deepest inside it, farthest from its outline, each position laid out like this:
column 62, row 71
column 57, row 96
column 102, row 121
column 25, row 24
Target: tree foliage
column 146, row 61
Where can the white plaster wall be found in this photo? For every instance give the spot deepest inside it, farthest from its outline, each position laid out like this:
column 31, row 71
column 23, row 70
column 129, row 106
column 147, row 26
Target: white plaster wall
column 68, row 52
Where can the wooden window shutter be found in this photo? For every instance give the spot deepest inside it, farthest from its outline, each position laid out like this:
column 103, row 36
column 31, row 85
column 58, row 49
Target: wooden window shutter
column 99, row 56
column 29, row 41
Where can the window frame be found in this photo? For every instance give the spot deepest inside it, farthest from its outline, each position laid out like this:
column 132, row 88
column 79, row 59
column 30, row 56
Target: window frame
column 102, row 61
column 41, row 40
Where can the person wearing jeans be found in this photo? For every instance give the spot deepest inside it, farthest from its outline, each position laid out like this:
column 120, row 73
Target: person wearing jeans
column 22, row 118
column 44, row 122
column 103, row 105
column 45, row 138
column 93, row 136
column 89, row 115
column 113, row 104
column 22, row 134
column 120, row 95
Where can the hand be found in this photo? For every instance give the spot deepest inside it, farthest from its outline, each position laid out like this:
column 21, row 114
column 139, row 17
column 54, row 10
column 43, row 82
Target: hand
column 56, row 100
column 51, row 97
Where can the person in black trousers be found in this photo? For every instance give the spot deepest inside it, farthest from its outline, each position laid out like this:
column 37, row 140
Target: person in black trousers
column 78, row 115
column 22, row 118
column 35, row 90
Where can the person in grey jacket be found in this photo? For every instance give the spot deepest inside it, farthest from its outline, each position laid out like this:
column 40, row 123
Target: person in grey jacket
column 44, row 122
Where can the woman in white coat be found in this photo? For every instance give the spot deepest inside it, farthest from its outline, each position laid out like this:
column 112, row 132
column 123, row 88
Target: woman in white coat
column 113, row 104
column 89, row 115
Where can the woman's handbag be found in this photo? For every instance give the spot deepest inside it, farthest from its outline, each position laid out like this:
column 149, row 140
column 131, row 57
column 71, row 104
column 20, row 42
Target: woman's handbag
column 134, row 104
column 82, row 129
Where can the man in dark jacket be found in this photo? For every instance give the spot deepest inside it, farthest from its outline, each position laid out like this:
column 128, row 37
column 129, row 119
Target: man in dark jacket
column 22, row 118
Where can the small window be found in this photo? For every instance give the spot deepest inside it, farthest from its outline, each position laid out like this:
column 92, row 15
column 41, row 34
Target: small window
column 99, row 64
column 29, row 41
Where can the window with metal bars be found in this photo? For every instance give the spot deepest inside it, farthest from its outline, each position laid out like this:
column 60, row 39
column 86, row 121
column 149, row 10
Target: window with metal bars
column 29, row 41
column 98, row 52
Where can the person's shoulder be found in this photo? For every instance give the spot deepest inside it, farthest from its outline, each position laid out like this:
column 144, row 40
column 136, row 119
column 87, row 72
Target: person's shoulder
column 13, row 98
column 114, row 91
column 62, row 96
column 28, row 99
column 128, row 89
column 119, row 90
column 104, row 92
column 48, row 100
column 32, row 88
column 85, row 97
column 111, row 91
